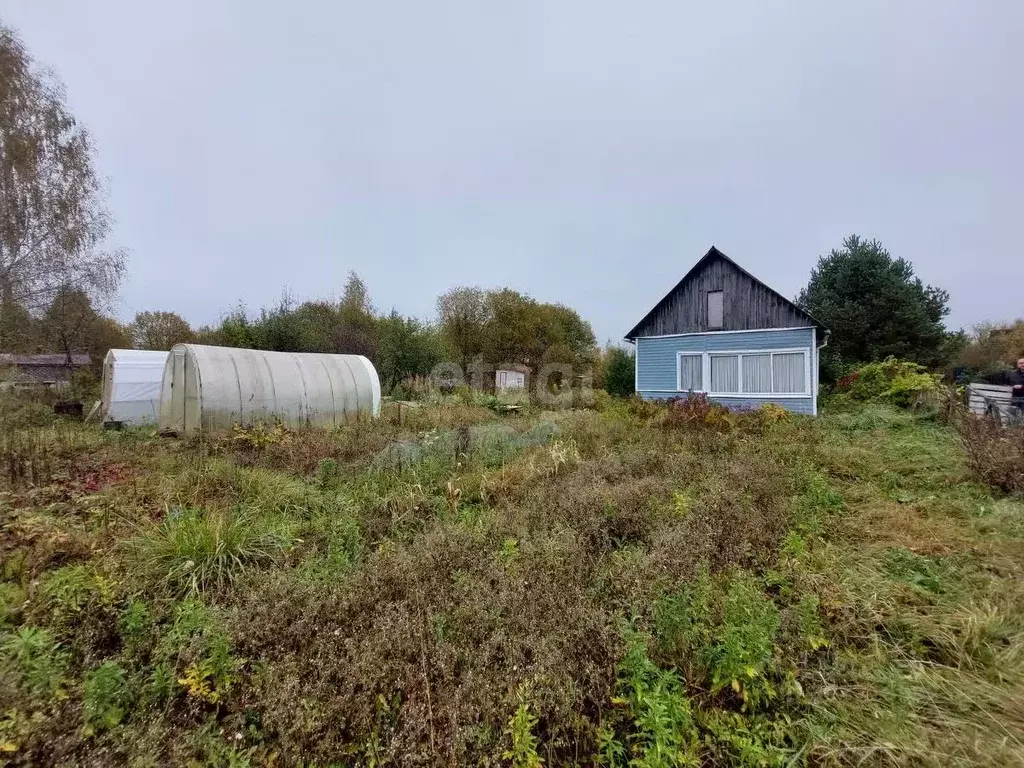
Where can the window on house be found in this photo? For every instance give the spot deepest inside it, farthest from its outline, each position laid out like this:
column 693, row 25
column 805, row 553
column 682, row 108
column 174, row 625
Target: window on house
column 725, row 373
column 716, row 309
column 788, row 373
column 757, row 373
column 691, row 368
column 761, row 373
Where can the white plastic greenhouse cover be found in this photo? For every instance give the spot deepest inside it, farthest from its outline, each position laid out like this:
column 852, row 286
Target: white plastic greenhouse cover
column 215, row 387
column 131, row 385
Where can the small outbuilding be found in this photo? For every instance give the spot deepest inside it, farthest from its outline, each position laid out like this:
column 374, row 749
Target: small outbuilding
column 723, row 333
column 211, row 388
column 130, row 391
column 510, row 378
column 49, row 371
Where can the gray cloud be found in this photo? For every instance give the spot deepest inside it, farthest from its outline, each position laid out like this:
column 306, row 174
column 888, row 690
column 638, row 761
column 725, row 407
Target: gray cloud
column 584, row 152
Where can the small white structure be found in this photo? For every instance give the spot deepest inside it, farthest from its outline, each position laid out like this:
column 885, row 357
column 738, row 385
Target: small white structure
column 130, row 391
column 214, row 387
column 993, row 400
column 983, row 398
column 506, row 380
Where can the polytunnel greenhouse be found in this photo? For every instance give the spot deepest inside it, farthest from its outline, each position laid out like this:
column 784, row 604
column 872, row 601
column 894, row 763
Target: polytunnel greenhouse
column 130, row 391
column 212, row 388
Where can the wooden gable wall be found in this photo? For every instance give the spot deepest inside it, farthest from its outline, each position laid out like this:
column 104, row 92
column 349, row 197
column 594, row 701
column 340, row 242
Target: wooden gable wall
column 748, row 304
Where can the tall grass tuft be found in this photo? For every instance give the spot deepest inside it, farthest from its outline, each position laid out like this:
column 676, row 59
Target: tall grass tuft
column 193, row 551
column 36, row 659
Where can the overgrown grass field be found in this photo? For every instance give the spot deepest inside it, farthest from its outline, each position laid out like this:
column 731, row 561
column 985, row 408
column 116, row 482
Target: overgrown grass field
column 633, row 585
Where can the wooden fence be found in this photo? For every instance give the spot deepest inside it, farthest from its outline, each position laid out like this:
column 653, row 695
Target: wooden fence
column 992, row 400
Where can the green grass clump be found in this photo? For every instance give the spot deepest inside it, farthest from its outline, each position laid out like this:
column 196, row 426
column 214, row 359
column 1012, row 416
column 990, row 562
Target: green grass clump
column 106, row 697
column 12, row 598
column 36, row 661
column 193, row 656
column 724, row 635
column 194, row 551
column 660, row 730
column 873, row 416
column 739, row 652
column 70, row 590
column 337, row 543
column 924, row 573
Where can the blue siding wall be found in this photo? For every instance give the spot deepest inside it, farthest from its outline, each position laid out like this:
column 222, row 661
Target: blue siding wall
column 656, row 362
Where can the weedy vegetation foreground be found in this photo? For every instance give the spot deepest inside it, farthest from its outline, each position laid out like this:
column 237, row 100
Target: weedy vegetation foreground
column 626, row 585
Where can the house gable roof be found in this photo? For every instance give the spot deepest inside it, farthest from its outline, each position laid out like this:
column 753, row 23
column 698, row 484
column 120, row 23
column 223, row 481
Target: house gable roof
column 713, row 254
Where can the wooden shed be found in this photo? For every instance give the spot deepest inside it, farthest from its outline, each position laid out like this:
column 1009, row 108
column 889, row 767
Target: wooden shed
column 48, row 371
column 510, row 377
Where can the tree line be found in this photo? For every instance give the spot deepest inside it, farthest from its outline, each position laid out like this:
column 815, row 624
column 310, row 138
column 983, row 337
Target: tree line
column 473, row 327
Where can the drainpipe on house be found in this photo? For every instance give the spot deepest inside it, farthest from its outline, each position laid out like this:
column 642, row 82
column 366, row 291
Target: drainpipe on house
column 817, row 367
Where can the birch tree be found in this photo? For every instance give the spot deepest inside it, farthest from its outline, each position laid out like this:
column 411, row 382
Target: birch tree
column 53, row 219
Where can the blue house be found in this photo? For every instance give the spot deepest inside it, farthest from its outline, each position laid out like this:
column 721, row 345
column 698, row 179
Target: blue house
column 723, row 332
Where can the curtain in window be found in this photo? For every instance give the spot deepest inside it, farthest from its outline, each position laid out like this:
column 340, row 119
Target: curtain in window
column 725, row 373
column 789, row 372
column 690, row 372
column 757, row 373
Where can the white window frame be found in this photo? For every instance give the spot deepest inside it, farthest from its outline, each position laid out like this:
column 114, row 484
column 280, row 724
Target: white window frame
column 739, row 372
column 679, row 371
column 705, row 373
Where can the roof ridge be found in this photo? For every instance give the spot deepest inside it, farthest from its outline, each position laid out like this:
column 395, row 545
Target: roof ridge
column 713, row 252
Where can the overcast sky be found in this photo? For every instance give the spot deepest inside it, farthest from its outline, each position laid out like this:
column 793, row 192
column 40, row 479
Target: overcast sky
column 583, row 152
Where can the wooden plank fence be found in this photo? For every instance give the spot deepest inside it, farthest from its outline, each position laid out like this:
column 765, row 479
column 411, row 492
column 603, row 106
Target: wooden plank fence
column 993, row 400
column 981, row 396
